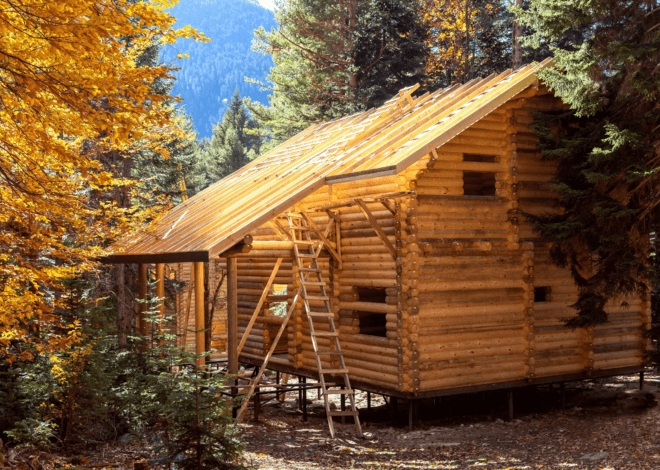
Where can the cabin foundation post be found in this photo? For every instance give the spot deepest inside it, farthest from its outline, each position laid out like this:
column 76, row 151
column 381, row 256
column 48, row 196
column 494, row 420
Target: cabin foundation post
column 199, row 313
column 303, row 391
column 141, row 325
column 412, row 414
column 641, row 380
column 160, row 294
column 369, row 401
column 343, row 405
column 257, row 404
column 232, row 324
column 510, row 405
column 394, row 405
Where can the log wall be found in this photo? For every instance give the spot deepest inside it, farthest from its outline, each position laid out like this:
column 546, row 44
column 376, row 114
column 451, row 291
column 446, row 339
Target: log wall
column 470, row 295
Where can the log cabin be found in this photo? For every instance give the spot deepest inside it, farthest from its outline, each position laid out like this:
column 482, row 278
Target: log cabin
column 404, row 225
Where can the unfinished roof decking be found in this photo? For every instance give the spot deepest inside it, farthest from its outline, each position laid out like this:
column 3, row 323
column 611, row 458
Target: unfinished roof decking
column 378, row 142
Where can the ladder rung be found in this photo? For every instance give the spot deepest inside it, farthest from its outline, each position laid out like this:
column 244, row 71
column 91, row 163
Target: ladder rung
column 334, row 371
column 309, row 270
column 325, row 333
column 318, row 297
column 314, row 283
column 340, row 392
column 326, row 352
column 344, row 413
column 306, row 242
column 320, row 314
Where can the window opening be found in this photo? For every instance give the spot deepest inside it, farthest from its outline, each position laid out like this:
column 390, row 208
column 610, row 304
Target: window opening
column 279, row 305
column 541, row 294
column 478, row 184
column 471, row 157
column 371, row 323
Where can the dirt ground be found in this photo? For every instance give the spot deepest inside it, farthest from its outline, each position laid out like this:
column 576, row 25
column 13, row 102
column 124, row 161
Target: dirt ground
column 606, row 424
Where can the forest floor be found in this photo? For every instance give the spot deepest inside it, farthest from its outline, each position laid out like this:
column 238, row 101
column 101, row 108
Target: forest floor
column 605, row 424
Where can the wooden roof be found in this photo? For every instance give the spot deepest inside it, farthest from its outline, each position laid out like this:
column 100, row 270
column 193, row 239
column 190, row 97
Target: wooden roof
column 377, row 142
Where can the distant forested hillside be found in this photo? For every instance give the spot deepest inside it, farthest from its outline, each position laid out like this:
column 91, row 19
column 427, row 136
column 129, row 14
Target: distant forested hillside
column 215, row 69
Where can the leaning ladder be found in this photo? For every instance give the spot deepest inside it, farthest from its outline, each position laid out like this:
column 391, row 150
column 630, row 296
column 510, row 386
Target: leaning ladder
column 306, row 257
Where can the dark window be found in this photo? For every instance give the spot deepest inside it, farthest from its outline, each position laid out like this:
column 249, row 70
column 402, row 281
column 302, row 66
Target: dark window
column 471, row 157
column 370, row 294
column 541, row 294
column 371, row 323
column 476, row 183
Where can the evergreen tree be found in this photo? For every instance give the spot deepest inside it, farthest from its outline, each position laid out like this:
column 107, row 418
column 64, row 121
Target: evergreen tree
column 606, row 144
column 335, row 58
column 236, row 140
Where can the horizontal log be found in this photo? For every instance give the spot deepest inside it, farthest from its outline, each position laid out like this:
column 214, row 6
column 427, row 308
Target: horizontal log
column 478, row 379
column 427, row 360
column 368, row 307
column 361, row 282
column 471, row 369
column 470, row 285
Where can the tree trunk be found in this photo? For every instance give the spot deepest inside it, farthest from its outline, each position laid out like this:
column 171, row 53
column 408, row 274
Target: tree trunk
column 466, row 49
column 517, row 34
column 352, row 23
column 125, row 312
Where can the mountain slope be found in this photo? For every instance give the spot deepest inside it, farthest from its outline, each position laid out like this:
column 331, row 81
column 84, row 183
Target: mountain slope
column 215, row 69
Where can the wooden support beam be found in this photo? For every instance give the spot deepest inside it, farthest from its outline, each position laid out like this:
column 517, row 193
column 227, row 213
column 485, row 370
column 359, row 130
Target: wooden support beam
column 264, row 295
column 376, row 227
column 142, row 295
column 256, row 380
column 326, row 242
column 388, row 206
column 160, row 294
column 232, row 316
column 280, row 233
column 191, row 283
column 199, row 313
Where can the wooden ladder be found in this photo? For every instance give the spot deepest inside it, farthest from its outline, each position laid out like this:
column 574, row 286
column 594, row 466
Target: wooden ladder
column 306, row 258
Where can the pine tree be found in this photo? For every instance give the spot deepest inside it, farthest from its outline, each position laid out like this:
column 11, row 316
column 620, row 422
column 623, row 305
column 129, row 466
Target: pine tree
column 236, row 140
column 606, row 144
column 335, row 58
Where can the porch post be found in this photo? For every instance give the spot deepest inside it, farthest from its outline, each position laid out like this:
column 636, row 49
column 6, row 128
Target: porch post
column 141, row 325
column 199, row 312
column 160, row 293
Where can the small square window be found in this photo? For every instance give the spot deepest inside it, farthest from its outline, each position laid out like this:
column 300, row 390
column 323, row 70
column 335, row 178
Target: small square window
column 478, row 184
column 471, row 157
column 541, row 294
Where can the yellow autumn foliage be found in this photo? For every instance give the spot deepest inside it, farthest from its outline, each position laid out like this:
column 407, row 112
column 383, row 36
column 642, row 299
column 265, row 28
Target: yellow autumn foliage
column 68, row 77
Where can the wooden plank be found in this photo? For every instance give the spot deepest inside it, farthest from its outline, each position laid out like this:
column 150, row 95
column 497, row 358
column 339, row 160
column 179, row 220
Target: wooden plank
column 257, row 379
column 191, row 283
column 264, row 295
column 376, row 227
column 199, row 313
column 149, row 258
column 160, row 294
column 142, row 295
column 232, row 316
column 361, row 175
